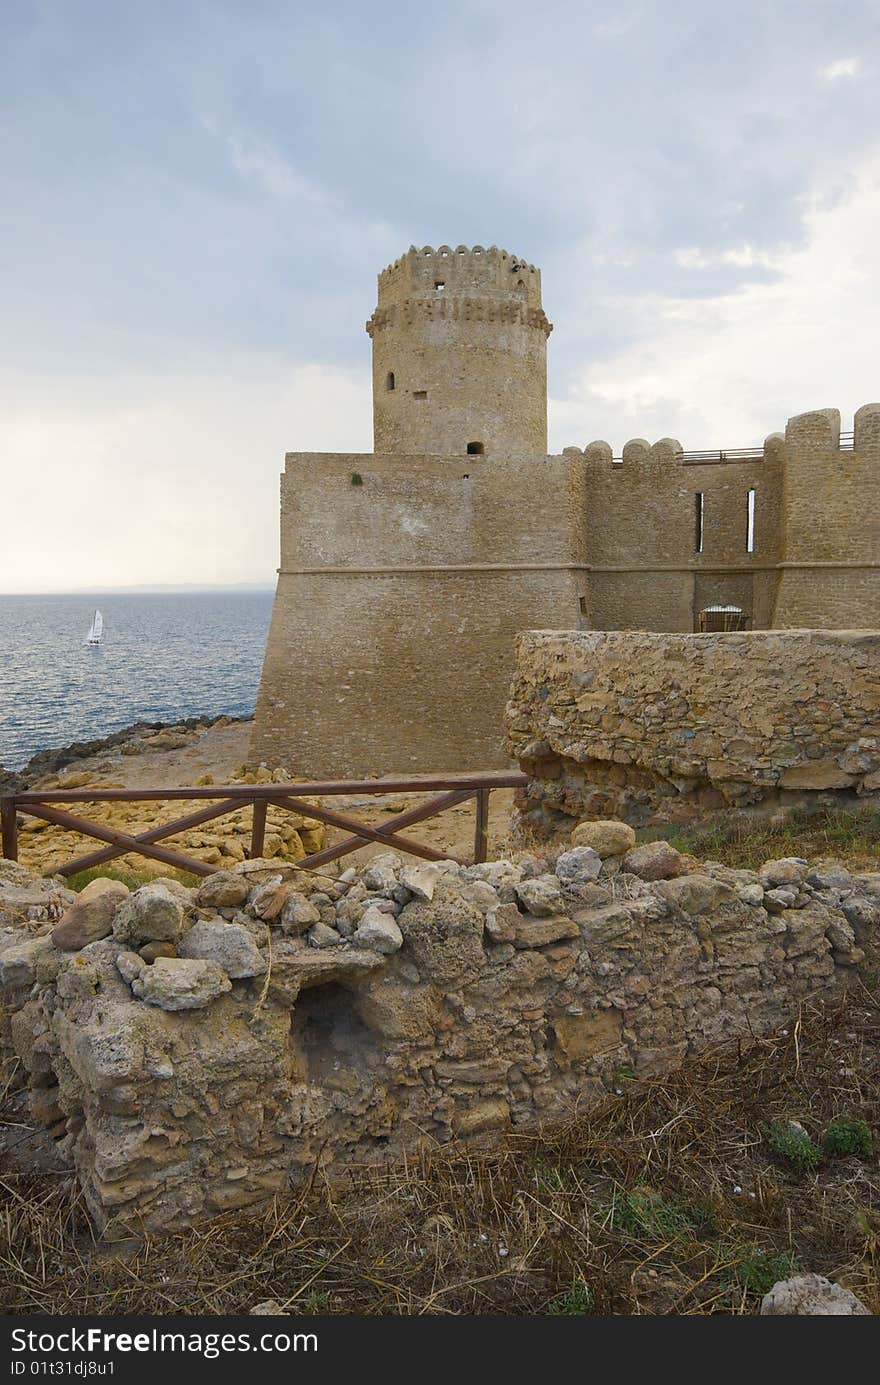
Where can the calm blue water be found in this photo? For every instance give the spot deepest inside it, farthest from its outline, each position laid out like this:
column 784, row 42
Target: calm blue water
column 163, row 658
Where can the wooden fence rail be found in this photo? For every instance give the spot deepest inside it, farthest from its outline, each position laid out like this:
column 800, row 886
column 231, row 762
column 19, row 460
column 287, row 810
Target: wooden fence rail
column 222, row 800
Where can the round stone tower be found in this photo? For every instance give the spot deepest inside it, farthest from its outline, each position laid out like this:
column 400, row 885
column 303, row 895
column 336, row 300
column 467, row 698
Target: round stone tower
column 459, row 354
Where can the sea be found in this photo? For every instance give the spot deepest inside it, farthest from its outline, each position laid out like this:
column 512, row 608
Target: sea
column 164, row 657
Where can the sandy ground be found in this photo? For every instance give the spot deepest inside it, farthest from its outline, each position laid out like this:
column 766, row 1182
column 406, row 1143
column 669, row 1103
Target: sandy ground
column 220, row 750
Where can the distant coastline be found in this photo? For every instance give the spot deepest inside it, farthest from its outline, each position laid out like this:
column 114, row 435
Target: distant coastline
column 55, row 758
column 157, row 589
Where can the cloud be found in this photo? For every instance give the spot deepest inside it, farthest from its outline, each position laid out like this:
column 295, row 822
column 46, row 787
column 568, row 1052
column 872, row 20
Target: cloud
column 725, row 371
column 843, row 67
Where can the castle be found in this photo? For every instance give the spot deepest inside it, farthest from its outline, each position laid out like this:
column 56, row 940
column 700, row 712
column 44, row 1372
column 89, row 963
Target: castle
column 406, row 573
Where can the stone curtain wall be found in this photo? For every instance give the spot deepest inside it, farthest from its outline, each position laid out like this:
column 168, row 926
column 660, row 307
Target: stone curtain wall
column 657, row 727
column 206, row 1048
column 645, row 571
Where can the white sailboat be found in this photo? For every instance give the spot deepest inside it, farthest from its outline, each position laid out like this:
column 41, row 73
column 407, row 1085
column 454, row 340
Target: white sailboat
column 96, row 633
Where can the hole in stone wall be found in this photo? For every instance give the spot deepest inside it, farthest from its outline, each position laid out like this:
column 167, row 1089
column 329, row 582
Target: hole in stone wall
column 439, row 285
column 475, row 449
column 699, row 511
column 390, row 382
column 330, row 1036
column 420, row 394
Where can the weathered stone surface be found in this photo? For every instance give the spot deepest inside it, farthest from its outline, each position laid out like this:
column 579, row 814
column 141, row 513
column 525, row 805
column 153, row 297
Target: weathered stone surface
column 607, row 837
column 228, row 944
column 225, row 890
column 444, row 937
column 150, row 951
column 382, row 871
column 151, row 914
column 502, row 923
column 322, row 935
column 538, row 932
column 791, row 870
column 812, row 1294
column 654, row 727
column 420, row 880
column 181, row 983
column 580, row 866
column 309, row 966
column 18, row 962
column 541, row 895
column 298, row 915
column 91, row 917
column 482, row 1116
column 654, row 861
column 377, row 930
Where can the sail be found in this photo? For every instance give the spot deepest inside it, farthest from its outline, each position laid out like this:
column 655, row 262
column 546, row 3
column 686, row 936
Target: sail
column 97, row 630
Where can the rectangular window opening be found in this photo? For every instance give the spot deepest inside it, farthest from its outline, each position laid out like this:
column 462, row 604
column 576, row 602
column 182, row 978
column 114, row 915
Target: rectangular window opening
column 420, row 394
column 750, row 523
column 439, row 285
column 699, row 511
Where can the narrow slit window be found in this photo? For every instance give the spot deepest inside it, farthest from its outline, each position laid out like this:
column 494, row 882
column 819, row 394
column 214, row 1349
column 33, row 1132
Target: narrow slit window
column 699, row 516
column 420, row 394
column 750, row 523
column 475, row 449
column 390, row 382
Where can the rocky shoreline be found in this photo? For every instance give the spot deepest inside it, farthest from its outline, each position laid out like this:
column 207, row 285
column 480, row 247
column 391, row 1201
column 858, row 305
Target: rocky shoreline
column 50, row 761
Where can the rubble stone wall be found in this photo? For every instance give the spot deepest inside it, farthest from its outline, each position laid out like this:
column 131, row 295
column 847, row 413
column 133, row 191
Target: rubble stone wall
column 669, row 726
column 194, row 1051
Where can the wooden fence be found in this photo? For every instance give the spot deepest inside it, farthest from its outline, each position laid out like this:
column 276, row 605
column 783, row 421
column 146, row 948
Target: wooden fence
column 455, row 789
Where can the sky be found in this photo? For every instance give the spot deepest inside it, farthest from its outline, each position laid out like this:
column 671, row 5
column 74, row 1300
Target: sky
column 198, row 197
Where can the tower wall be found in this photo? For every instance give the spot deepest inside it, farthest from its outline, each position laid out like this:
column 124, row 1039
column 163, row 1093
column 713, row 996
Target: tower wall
column 830, row 570
column 400, row 592
column 459, row 354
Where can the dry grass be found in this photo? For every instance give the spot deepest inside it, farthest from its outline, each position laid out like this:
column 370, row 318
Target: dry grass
column 849, row 835
column 668, row 1199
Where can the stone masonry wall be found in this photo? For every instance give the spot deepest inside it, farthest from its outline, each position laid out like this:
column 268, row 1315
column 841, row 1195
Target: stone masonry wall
column 399, row 596
column 667, row 727
column 194, row 1051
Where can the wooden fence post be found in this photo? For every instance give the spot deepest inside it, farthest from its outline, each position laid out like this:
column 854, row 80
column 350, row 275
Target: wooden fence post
column 258, row 830
column 481, row 833
column 10, row 829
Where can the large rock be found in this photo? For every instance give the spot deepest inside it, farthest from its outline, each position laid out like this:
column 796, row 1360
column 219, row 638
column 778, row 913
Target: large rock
column 298, row 915
column 181, row 983
column 579, row 866
column 607, row 837
column 420, row 880
column 444, row 938
column 229, row 944
column 224, row 890
column 151, row 914
column 92, row 916
column 654, row 861
column 812, row 1294
column 541, row 895
column 19, row 963
column 382, row 871
column 378, row 931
